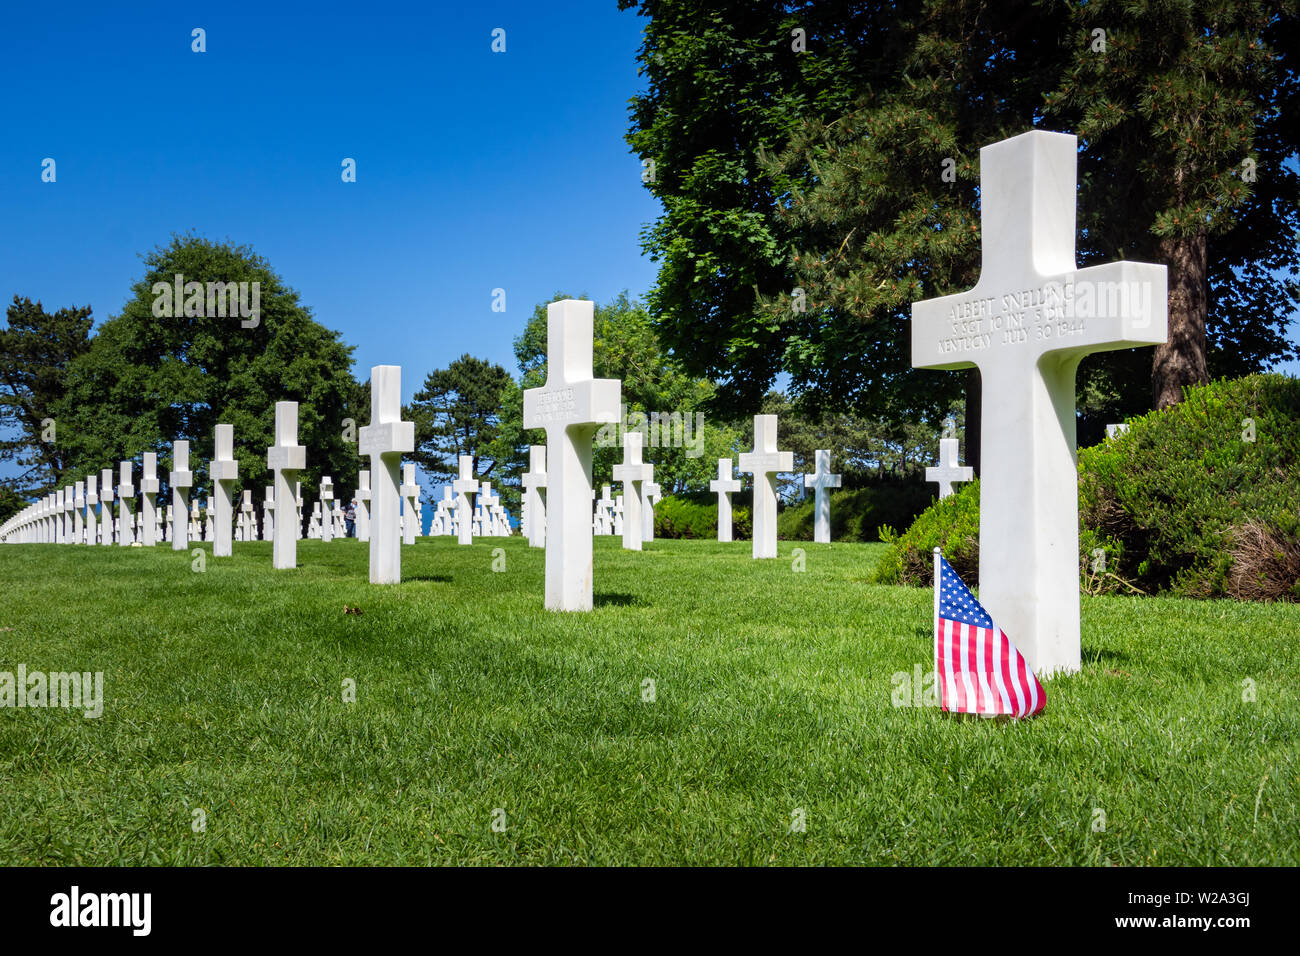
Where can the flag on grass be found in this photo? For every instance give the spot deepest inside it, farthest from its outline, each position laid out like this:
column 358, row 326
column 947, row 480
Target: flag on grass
column 980, row 671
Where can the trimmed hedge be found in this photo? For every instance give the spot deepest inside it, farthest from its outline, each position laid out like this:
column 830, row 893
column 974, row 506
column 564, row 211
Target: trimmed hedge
column 858, row 514
column 1184, row 502
column 1203, row 499
column 685, row 518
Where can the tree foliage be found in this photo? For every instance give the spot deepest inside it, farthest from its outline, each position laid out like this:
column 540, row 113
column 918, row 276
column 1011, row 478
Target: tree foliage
column 147, row 380
column 458, row 412
column 36, row 348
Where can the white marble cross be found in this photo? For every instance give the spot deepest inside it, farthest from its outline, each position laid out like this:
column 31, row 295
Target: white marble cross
column 285, row 460
column 634, row 474
column 196, row 526
column 1031, row 318
column 724, row 486
column 248, row 519
column 182, row 480
column 92, row 499
column 223, row 470
column 210, row 521
column 106, row 506
column 465, row 486
column 534, row 505
column 652, row 493
column 948, row 472
column 604, row 512
column 78, row 510
column 821, row 480
column 410, row 494
column 126, row 504
column 618, row 516
column 571, row 406
column 327, row 508
column 763, row 463
column 442, row 519
column 149, row 493
column 363, row 505
column 268, row 518
column 384, row 441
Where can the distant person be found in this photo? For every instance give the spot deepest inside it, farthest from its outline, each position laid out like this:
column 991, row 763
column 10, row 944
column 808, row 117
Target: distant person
column 350, row 519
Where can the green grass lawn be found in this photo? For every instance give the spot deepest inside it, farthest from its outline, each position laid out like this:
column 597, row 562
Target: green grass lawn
column 772, row 700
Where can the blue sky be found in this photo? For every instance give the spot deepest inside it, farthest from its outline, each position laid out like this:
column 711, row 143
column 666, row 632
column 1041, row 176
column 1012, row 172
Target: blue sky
column 475, row 170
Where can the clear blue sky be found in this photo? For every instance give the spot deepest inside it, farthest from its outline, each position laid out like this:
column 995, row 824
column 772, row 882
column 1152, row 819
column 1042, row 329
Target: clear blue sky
column 475, row 170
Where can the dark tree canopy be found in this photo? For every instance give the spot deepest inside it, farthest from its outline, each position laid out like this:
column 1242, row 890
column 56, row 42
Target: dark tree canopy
column 148, row 379
column 458, row 412
column 850, row 172
column 36, row 348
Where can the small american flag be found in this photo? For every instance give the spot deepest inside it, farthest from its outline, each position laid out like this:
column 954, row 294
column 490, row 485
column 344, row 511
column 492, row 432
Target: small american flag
column 980, row 671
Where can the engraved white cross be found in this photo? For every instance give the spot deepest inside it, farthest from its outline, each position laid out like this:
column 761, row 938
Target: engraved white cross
column 1026, row 325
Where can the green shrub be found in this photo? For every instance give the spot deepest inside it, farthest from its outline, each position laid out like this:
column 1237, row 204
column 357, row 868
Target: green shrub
column 858, row 513
column 684, row 517
column 952, row 524
column 1183, row 502
column 1199, row 508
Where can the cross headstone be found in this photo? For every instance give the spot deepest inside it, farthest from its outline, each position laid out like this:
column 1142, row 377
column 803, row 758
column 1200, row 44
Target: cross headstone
column 249, row 517
column 724, row 486
column 196, row 525
column 106, row 506
column 605, row 512
column 182, row 480
column 763, row 463
column 487, row 517
column 92, row 500
column 326, row 508
column 652, row 494
column 223, row 470
column 268, row 518
column 78, row 510
column 465, row 486
column 209, row 520
column 149, row 492
column 363, row 505
column 313, row 523
column 633, row 473
column 618, row 516
column 821, row 481
column 1114, row 431
column 384, row 441
column 126, row 504
column 1027, row 323
column 570, row 406
column 534, row 481
column 410, row 494
column 948, row 471
column 285, row 460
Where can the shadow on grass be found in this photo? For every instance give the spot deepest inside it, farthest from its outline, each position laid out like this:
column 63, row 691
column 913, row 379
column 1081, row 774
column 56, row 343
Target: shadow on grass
column 617, row 600
column 434, row 578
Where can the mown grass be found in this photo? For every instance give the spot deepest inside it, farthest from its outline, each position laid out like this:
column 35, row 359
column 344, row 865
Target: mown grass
column 772, row 695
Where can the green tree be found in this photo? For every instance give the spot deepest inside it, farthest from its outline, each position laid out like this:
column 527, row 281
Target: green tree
column 458, row 412
column 850, row 173
column 36, row 348
column 148, row 378
column 1186, row 113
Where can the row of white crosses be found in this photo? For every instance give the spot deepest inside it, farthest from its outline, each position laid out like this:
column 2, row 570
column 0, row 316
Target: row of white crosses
column 83, row 512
